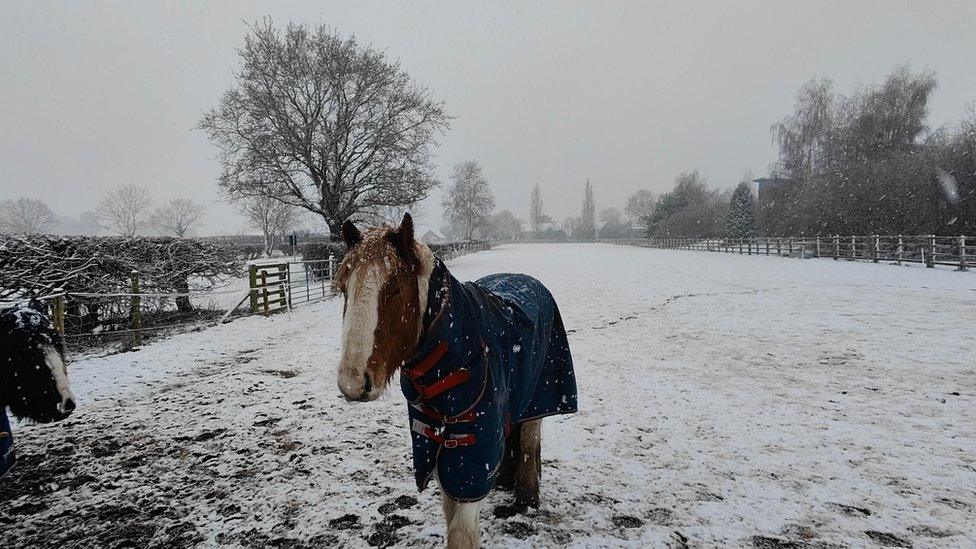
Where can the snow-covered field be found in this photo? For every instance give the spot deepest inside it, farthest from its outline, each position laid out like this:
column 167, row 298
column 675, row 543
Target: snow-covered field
column 725, row 401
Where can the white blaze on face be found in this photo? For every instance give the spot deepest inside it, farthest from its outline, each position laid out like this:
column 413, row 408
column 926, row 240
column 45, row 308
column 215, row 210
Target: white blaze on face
column 359, row 329
column 60, row 372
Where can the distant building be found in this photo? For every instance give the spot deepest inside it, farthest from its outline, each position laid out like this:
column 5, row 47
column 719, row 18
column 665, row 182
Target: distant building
column 615, row 229
column 430, row 237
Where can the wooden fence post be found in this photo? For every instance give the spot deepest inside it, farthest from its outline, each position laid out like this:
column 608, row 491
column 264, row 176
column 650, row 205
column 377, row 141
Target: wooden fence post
column 288, row 282
column 791, row 246
column 874, row 252
column 962, row 253
column 136, row 310
column 263, row 275
column 901, row 248
column 57, row 311
column 853, row 248
column 836, row 247
column 930, row 262
column 252, row 277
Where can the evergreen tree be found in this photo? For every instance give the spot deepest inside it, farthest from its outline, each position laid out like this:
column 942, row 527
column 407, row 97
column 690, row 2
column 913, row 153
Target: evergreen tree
column 741, row 220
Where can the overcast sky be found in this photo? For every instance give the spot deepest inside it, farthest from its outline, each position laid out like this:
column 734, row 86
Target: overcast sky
column 94, row 95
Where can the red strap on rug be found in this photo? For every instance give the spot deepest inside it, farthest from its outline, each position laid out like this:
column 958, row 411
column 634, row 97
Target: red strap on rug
column 422, row 428
column 466, row 417
column 426, row 364
column 445, row 383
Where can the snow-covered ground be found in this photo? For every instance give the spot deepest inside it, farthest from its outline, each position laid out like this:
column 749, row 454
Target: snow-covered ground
column 725, row 401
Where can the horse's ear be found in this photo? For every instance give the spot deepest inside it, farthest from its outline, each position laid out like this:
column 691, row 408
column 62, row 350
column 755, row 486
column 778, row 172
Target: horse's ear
column 406, row 228
column 403, row 237
column 350, row 234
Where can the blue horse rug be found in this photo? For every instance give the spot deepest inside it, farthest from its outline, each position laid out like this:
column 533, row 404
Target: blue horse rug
column 7, row 455
column 494, row 354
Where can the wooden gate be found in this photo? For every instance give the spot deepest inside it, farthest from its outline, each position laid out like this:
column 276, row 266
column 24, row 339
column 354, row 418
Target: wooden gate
column 268, row 285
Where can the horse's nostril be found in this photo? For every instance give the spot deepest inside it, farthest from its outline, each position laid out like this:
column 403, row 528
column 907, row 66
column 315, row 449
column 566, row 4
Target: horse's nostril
column 69, row 405
column 367, row 385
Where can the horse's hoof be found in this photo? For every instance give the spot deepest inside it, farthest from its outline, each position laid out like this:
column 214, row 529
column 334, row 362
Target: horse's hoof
column 525, row 498
column 505, row 511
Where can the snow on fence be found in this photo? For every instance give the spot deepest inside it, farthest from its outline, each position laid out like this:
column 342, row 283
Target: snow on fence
column 930, row 250
column 270, row 287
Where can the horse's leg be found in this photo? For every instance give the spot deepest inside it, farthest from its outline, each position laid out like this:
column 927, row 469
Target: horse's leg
column 462, row 523
column 448, row 505
column 529, row 467
column 510, row 459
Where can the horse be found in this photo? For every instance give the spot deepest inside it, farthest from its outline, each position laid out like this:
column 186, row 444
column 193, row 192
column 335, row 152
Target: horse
column 481, row 363
column 33, row 373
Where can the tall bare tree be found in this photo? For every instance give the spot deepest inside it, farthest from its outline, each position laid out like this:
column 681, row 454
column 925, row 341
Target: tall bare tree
column 178, row 217
column 536, row 215
column 587, row 222
column 468, row 202
column 321, row 122
column 272, row 217
column 25, row 215
column 124, row 210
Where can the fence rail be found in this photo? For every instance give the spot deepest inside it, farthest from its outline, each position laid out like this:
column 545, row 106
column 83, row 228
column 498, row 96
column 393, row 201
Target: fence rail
column 268, row 288
column 930, row 250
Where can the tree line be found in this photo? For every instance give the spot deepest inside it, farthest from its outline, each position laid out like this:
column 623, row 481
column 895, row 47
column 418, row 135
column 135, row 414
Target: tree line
column 863, row 163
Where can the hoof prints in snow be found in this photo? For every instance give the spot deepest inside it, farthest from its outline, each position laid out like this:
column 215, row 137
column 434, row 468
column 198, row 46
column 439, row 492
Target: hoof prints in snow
column 518, row 529
column 385, row 534
column 402, row 502
column 626, row 521
column 888, row 540
column 728, row 415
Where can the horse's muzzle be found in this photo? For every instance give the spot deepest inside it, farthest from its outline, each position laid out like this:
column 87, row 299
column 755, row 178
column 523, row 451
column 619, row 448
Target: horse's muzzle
column 356, row 389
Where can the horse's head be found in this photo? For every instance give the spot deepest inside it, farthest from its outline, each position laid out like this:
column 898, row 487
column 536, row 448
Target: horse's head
column 383, row 278
column 33, row 372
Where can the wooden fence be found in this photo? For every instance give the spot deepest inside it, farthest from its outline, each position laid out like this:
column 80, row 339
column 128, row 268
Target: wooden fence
column 277, row 287
column 930, row 250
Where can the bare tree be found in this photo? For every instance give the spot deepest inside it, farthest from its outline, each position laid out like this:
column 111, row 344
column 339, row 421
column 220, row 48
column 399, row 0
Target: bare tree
column 504, row 226
column 25, row 215
column 536, row 215
column 320, row 122
column 640, row 206
column 392, row 215
column 610, row 215
column 272, row 217
column 587, row 224
column 468, row 202
column 178, row 217
column 571, row 225
column 124, row 210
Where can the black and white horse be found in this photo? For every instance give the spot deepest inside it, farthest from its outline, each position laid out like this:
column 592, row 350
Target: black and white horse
column 33, row 372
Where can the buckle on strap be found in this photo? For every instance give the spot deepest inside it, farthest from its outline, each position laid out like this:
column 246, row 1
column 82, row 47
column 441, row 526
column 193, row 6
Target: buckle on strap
column 454, row 441
column 465, row 417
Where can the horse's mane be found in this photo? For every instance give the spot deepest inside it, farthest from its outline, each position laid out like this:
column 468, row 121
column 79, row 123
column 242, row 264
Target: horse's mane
column 378, row 245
